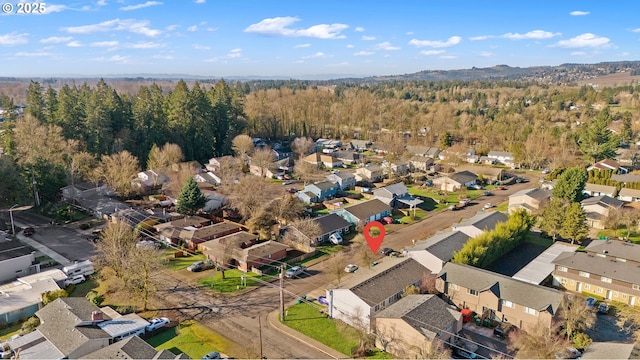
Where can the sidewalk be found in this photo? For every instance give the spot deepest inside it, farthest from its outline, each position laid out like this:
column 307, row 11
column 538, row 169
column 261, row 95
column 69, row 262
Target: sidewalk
column 275, row 322
column 43, row 249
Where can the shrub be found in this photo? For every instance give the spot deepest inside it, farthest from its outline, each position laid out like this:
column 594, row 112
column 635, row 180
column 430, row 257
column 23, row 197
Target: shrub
column 581, row 340
column 29, row 325
column 95, row 298
column 50, row 296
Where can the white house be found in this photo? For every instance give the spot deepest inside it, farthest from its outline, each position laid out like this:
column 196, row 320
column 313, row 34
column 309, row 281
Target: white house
column 627, row 194
column 437, row 250
column 481, row 222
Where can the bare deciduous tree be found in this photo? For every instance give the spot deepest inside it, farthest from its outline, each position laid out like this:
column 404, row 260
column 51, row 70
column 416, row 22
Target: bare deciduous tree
column 118, row 170
column 303, row 146
column 575, row 316
column 250, row 194
column 385, row 336
column 242, row 146
column 178, row 178
column 162, row 158
column 81, row 166
column 307, row 231
column 116, row 242
column 262, row 159
column 286, row 209
column 308, row 172
column 434, row 349
column 541, row 342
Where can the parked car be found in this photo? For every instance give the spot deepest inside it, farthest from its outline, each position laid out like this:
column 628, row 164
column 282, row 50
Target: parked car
column 28, row 231
column 465, row 350
column 351, row 268
column 387, row 251
column 287, row 183
column 157, row 323
column 335, row 238
column 475, row 187
column 488, row 205
column 295, row 271
column 487, row 193
column 590, row 302
column 501, row 188
column 464, row 202
column 323, row 300
column 387, row 220
column 196, row 266
column 74, row 280
column 603, row 308
column 211, row 355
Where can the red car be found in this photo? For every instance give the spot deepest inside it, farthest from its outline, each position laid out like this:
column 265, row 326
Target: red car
column 502, row 188
column 387, row 220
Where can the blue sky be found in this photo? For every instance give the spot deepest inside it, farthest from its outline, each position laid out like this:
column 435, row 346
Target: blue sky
column 306, row 39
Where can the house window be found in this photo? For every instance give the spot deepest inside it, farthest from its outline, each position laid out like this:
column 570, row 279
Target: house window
column 584, row 274
column 624, row 296
column 615, row 294
column 635, row 287
column 454, row 286
column 531, row 311
column 472, row 292
column 563, row 281
column 587, row 286
column 562, row 268
column 509, row 304
column 600, row 290
column 606, row 279
column 572, row 282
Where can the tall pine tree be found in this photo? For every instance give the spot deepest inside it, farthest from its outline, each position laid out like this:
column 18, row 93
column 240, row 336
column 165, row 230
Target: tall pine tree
column 190, row 199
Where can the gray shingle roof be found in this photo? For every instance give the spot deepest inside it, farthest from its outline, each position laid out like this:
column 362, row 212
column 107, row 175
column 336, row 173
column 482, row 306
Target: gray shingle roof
column 331, row 223
column 442, row 245
column 625, row 178
column 603, row 200
column 324, row 185
column 520, row 292
column 623, row 271
column 463, row 177
column 599, row 188
column 537, row 193
column 389, row 191
column 129, row 348
column 368, row 208
column 13, row 249
column 483, row 220
column 428, row 314
column 393, row 280
column 620, row 249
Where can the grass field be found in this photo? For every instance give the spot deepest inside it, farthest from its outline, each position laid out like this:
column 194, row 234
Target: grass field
column 634, row 236
column 232, row 281
column 191, row 338
column 308, row 320
column 181, row 262
column 81, row 290
column 7, row 332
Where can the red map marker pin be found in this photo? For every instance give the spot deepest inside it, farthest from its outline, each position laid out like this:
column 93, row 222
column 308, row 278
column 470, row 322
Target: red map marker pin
column 374, row 241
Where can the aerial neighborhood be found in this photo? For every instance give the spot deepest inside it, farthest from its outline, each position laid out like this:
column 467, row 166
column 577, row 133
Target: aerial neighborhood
column 238, row 237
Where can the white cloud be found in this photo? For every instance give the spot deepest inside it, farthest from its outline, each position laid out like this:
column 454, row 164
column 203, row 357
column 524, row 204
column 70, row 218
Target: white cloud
column 278, row 27
column 385, row 46
column 409, row 33
column 234, row 54
column 300, row 46
column 364, row 53
column 33, row 54
column 318, row 55
column 359, row 29
column 140, row 6
column 201, row 47
column 368, row 38
column 578, row 53
column 56, row 39
column 192, row 28
column 171, row 27
column 584, row 40
column 432, row 52
column 579, row 13
column 636, row 30
column 145, row 45
column 13, row 38
column 342, row 64
column 200, row 1
column 535, row 34
column 454, row 40
column 74, row 43
column 448, row 57
column 163, row 57
column 115, row 58
column 349, row 46
column 131, row 25
column 485, row 53
column 481, row 37
column 104, row 43
column 101, row 3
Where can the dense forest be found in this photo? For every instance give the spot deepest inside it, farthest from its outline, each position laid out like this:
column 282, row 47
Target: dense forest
column 550, row 125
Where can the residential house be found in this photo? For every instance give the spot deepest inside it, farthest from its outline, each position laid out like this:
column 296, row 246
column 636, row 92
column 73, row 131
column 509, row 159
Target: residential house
column 598, row 208
column 456, row 181
column 347, row 157
column 360, row 145
column 625, row 178
column 487, row 160
column 608, row 164
column 450, row 155
column 241, row 250
column 499, row 297
column 628, row 158
column 608, row 269
column 150, row 178
column 23, row 297
column 73, row 327
column 328, row 144
column 437, row 250
column 364, row 212
column 170, row 231
column 271, row 171
column 370, row 173
column 216, row 163
column 424, row 151
column 530, row 200
column 207, row 177
column 131, row 348
column 417, row 320
column 486, row 173
column 358, row 300
column 280, row 152
column 100, row 206
column 631, row 195
column 397, row 167
column 479, row 223
column 16, row 260
column 326, row 160
column 318, row 192
column 85, row 190
column 396, row 196
column 192, row 236
column 503, row 157
column 345, row 180
column 215, row 200
column 420, row 163
column 330, row 224
column 539, row 270
column 599, row 190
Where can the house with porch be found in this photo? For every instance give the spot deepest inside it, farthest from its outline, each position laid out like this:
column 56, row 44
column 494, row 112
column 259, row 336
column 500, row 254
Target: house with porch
column 499, row 297
column 630, row 195
column 359, row 299
column 434, row 252
column 530, row 200
column 599, row 190
column 364, row 212
column 396, row 196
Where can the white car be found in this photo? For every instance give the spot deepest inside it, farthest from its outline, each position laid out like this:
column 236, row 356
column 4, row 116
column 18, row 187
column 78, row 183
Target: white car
column 157, row 323
column 488, row 205
column 335, row 238
column 74, row 280
column 351, row 268
column 295, row 271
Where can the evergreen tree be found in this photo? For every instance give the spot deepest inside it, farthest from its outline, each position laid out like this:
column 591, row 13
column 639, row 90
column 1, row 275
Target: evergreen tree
column 597, row 141
column 575, row 226
column 553, row 218
column 571, row 184
column 190, row 199
column 35, row 101
column 627, row 131
column 51, row 101
column 447, row 140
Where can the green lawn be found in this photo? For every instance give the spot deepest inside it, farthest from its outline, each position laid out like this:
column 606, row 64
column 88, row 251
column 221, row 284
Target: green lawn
column 232, row 281
column 182, row 262
column 538, row 240
column 7, row 332
column 81, row 290
column 308, row 320
column 504, row 207
column 634, row 236
column 191, row 338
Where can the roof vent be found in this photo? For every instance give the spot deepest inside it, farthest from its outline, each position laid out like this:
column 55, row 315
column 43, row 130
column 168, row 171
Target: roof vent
column 605, row 251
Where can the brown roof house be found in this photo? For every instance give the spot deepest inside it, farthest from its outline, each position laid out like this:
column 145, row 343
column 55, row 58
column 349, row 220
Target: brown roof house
column 499, row 297
column 358, row 300
column 241, row 250
column 414, row 321
column 530, row 200
column 608, row 269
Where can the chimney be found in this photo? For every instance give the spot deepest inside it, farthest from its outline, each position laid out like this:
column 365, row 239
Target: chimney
column 96, row 316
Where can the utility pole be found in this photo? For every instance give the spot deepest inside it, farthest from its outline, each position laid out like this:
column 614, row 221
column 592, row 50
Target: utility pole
column 281, row 293
column 260, row 335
